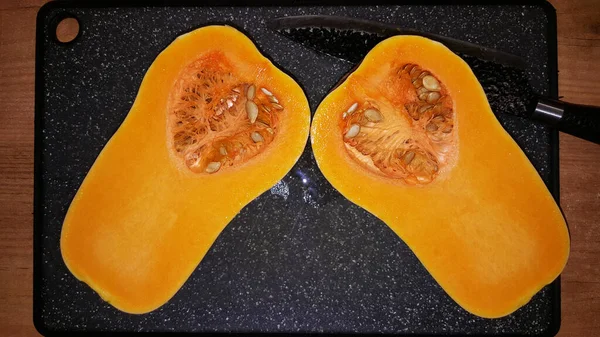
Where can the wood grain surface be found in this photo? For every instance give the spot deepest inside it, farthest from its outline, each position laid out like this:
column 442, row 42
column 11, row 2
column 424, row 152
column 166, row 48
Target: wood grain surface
column 579, row 81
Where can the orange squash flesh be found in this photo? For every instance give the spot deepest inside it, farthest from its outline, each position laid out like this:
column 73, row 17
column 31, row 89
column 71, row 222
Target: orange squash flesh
column 144, row 217
column 482, row 223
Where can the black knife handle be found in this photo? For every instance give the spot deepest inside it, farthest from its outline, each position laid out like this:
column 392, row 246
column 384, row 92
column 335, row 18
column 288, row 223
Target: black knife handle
column 579, row 120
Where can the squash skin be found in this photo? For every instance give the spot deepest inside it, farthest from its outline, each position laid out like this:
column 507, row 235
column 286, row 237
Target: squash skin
column 141, row 221
column 487, row 229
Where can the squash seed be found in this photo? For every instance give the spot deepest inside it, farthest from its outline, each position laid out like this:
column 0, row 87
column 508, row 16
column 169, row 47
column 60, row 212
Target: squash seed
column 373, row 115
column 266, row 92
column 433, row 97
column 352, row 108
column 435, row 137
column 423, row 74
column 256, row 137
column 353, row 131
column 251, row 92
column 252, row 111
column 431, row 83
column 278, row 106
column 408, row 157
column 273, row 99
column 431, row 127
column 223, row 150
column 424, row 108
column 213, row 167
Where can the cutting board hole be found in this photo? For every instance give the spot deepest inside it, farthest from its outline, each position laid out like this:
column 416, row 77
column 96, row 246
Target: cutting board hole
column 67, row 30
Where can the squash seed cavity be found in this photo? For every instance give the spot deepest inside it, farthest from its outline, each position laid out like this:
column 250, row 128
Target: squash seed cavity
column 412, row 141
column 218, row 120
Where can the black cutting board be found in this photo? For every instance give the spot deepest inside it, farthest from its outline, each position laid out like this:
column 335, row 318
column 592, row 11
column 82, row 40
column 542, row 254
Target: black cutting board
column 300, row 258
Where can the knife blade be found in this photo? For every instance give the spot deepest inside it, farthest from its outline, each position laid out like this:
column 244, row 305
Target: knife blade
column 384, row 30
column 502, row 75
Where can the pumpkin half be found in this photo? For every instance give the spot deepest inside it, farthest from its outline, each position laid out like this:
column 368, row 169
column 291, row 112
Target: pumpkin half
column 410, row 137
column 214, row 125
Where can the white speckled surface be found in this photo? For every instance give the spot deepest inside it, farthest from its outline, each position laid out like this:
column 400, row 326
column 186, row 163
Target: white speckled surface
column 300, row 258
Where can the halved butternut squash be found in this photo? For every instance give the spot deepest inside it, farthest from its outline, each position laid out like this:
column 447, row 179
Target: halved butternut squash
column 410, row 137
column 213, row 126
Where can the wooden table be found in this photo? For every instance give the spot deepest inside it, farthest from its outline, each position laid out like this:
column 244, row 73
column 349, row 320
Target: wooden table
column 579, row 81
